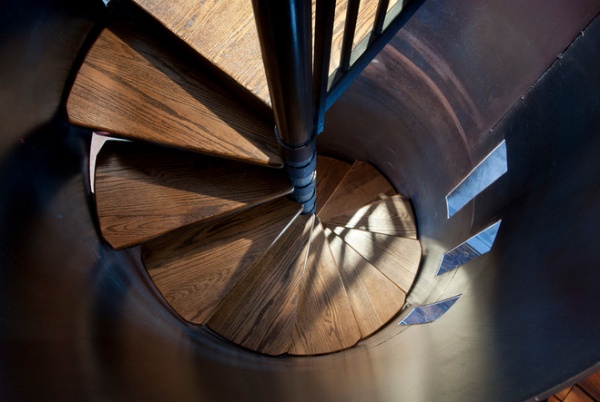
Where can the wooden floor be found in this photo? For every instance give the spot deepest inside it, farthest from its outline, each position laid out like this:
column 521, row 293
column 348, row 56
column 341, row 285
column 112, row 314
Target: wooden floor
column 224, row 32
column 587, row 390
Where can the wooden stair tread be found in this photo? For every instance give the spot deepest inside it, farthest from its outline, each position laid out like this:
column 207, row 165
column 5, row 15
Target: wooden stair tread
column 392, row 216
column 330, row 173
column 374, row 298
column 361, row 186
column 259, row 312
column 397, row 258
column 132, row 85
column 224, row 32
column 196, row 266
column 364, row 25
column 325, row 321
column 144, row 191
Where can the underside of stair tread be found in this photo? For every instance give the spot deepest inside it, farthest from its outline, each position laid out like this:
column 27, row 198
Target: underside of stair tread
column 325, row 321
column 330, row 172
column 131, row 84
column 398, row 258
column 224, row 32
column 196, row 266
column 374, row 298
column 392, row 216
column 362, row 185
column 260, row 311
column 144, row 191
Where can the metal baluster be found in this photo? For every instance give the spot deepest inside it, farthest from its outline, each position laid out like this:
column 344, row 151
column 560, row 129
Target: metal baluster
column 399, row 15
column 325, row 14
column 284, row 30
column 380, row 16
column 349, row 29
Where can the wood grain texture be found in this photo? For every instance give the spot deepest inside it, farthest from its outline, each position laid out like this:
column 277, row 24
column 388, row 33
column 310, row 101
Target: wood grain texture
column 374, row 298
column 563, row 393
column 325, row 322
column 397, row 258
column 392, row 216
column 196, row 266
column 260, row 311
column 134, row 87
column 364, row 25
column 330, row 173
column 591, row 385
column 361, row 186
column 578, row 395
column 224, row 32
column 144, row 191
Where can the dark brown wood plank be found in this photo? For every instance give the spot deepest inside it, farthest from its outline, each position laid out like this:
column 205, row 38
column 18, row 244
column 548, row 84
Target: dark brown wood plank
column 374, row 298
column 361, row 186
column 325, row 322
column 134, row 87
column 260, row 310
column 392, row 216
column 196, row 266
column 330, row 173
column 144, row 191
column 397, row 258
column 591, row 385
column 563, row 394
column 578, row 395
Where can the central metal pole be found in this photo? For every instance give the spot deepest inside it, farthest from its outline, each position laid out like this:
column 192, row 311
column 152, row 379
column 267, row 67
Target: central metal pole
column 285, row 34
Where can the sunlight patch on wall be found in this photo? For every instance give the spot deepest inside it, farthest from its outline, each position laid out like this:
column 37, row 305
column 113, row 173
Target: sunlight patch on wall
column 477, row 245
column 429, row 312
column 487, row 172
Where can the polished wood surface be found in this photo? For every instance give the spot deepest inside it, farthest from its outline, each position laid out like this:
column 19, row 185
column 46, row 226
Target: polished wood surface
column 586, row 390
column 325, row 321
column 196, row 266
column 260, row 311
column 397, row 258
column 374, row 298
column 577, row 394
column 361, row 186
column 224, row 32
column 330, row 172
column 144, row 191
column 133, row 86
column 392, row 216
column 591, row 385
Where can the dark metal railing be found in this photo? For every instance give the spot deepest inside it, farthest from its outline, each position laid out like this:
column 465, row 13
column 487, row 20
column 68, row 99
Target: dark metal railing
column 285, row 34
column 301, row 91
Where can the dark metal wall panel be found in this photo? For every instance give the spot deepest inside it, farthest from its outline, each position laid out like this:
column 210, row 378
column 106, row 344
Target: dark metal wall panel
column 524, row 322
column 426, row 108
column 39, row 43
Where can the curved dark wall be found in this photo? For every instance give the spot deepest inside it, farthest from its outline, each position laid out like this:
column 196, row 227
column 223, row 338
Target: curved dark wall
column 79, row 321
column 457, row 80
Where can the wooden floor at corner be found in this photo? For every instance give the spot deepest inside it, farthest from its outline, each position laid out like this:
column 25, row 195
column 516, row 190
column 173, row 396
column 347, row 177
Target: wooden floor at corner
column 587, row 390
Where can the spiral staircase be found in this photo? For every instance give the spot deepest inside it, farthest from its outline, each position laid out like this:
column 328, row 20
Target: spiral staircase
column 202, row 190
column 81, row 321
